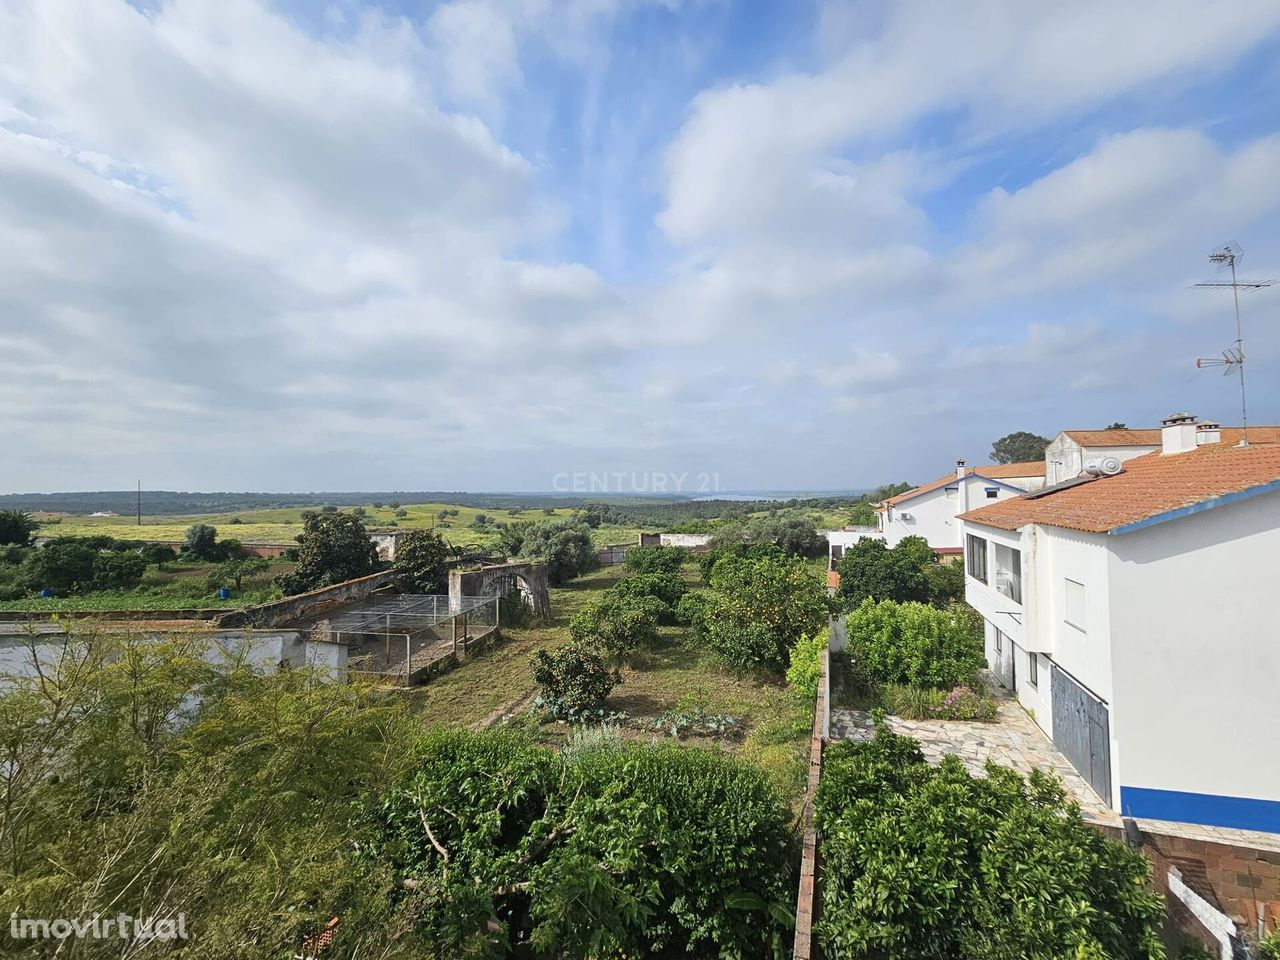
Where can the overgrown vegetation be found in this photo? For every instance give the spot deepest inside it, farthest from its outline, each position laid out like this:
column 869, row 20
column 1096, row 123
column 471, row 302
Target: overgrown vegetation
column 924, row 861
column 506, row 848
column 332, row 548
column 421, row 562
column 913, row 643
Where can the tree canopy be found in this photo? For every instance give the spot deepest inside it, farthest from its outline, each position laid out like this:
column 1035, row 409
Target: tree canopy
column 422, row 562
column 1019, row 447
column 16, row 527
column 332, row 547
column 870, row 570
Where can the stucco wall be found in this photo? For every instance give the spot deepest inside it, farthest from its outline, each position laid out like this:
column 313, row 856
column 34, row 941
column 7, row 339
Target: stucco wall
column 1064, row 458
column 1197, row 652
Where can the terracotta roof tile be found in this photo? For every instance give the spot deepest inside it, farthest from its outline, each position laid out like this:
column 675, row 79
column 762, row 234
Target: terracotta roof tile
column 1151, row 437
column 1000, row 471
column 1150, row 485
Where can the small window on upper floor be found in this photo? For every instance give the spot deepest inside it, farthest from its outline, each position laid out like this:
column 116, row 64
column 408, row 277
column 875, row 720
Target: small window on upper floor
column 992, row 493
column 976, row 557
column 1075, row 605
column 1033, row 669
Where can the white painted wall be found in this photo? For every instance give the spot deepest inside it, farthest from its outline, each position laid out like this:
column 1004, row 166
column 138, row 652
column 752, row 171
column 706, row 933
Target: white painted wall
column 933, row 514
column 1060, row 555
column 1197, row 651
column 686, row 540
column 997, row 609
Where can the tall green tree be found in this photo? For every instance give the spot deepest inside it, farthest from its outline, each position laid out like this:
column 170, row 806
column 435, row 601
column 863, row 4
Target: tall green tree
column 332, row 547
column 565, row 545
column 1020, row 447
column 870, row 570
column 422, row 562
column 16, row 527
column 200, row 541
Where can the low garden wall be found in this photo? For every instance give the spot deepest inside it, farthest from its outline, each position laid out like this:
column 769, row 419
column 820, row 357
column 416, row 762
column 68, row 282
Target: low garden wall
column 804, row 947
column 305, row 605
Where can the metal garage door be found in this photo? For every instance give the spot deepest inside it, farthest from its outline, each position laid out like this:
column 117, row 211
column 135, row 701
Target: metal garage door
column 1082, row 731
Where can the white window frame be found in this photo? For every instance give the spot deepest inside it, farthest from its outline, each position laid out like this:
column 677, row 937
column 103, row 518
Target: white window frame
column 974, row 545
column 1067, row 605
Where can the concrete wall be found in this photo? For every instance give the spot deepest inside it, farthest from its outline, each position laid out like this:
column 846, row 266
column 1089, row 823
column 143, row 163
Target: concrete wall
column 1196, row 654
column 688, row 541
column 306, row 605
column 933, row 514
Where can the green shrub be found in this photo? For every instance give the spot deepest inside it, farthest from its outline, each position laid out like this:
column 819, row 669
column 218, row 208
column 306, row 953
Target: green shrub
column 1269, row 946
column 118, row 571
column 200, row 541
column 870, row 570
column 575, row 680
column 914, row 643
column 924, row 861
column 618, row 625
column 667, row 588
column 565, row 546
column 692, row 610
column 806, row 664
column 946, row 583
column 622, row 851
column 654, row 560
column 760, row 608
column 61, row 567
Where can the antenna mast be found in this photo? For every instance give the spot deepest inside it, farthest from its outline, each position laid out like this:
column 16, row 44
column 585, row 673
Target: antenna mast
column 1233, row 358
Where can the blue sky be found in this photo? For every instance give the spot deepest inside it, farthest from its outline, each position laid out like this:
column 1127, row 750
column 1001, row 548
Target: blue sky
column 486, row 244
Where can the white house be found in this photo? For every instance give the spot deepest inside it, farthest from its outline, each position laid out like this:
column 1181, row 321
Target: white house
column 930, row 510
column 1068, row 452
column 1131, row 614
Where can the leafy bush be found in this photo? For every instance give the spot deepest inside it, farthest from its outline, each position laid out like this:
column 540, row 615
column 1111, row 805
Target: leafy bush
column 933, row 862
column 60, row 567
column 631, row 851
column 792, row 535
column 421, row 562
column 760, row 608
column 575, row 680
column 692, row 610
column 667, row 588
column 654, row 559
column 806, row 664
column 159, row 554
column 708, row 559
column 117, row 571
column 1269, row 947
column 565, row 546
column 618, row 625
column 914, row 643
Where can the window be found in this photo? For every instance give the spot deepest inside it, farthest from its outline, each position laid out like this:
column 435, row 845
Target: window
column 999, row 641
column 952, row 492
column 1033, row 669
column 1009, row 572
column 993, row 492
column 1075, row 605
column 976, row 557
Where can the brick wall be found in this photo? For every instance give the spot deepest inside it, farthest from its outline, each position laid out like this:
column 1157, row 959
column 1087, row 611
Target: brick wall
column 1234, row 879
column 807, row 900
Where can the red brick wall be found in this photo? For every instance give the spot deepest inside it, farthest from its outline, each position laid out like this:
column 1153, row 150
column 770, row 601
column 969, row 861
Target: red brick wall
column 807, row 900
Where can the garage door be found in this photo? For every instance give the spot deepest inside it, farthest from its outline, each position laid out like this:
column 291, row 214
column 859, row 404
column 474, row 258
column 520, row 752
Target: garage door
column 1082, row 731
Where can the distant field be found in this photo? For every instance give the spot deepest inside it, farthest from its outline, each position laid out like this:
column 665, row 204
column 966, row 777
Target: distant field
column 283, row 525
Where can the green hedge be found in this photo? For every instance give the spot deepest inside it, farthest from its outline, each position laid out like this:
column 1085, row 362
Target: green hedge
column 922, row 861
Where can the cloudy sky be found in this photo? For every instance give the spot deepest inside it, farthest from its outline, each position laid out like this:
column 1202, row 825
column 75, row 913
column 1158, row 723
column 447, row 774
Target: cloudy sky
column 485, row 244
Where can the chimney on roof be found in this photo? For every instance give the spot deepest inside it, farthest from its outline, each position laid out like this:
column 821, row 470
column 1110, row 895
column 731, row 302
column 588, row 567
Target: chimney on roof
column 1177, row 433
column 1208, row 432
column 959, row 469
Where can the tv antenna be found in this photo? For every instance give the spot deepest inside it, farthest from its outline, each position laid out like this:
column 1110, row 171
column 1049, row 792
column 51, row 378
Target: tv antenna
column 1233, row 358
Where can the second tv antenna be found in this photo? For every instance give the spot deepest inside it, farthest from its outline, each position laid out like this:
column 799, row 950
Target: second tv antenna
column 1233, row 359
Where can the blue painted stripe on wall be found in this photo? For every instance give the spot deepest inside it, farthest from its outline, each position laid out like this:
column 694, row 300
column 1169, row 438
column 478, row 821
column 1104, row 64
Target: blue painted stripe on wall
column 1243, row 813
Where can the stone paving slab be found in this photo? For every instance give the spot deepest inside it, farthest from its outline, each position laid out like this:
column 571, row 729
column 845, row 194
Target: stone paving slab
column 1014, row 740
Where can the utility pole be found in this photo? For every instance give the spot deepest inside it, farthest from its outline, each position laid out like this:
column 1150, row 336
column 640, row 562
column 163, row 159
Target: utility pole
column 139, row 503
column 1233, row 358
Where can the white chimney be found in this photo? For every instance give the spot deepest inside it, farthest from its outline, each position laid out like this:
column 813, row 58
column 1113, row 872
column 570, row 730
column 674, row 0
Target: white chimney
column 1177, row 433
column 959, row 469
column 1208, row 432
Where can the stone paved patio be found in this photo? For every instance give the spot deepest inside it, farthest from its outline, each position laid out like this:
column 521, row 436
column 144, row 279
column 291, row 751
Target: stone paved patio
column 1014, row 740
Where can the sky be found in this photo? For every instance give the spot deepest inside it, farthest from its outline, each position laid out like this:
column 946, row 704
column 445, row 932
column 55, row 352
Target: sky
column 703, row 244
